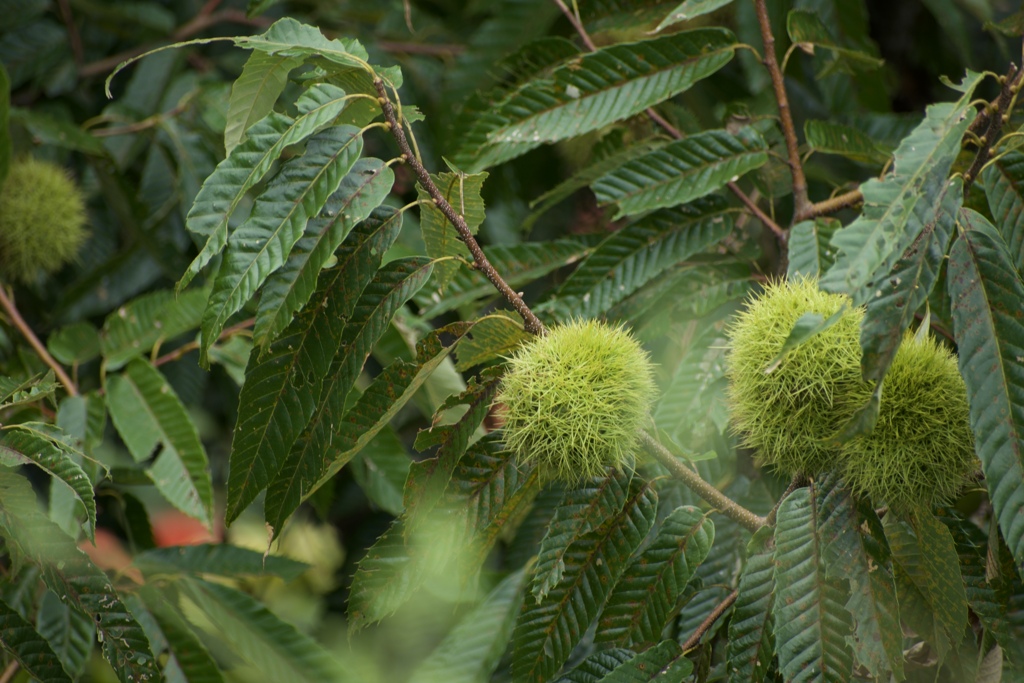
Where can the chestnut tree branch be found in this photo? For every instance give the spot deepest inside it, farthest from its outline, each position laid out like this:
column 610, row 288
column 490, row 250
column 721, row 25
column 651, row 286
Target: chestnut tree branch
column 705, row 626
column 996, row 114
column 831, row 205
column 532, row 322
column 718, row 500
column 800, row 199
column 7, row 303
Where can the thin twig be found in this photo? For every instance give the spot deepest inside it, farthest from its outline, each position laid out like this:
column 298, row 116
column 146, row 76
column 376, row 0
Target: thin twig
column 997, row 111
column 718, row 500
column 26, row 331
column 800, row 199
column 833, row 204
column 200, row 23
column 148, row 122
column 73, row 36
column 533, row 324
column 179, row 352
column 9, row 672
column 576, row 24
column 797, row 481
column 705, row 626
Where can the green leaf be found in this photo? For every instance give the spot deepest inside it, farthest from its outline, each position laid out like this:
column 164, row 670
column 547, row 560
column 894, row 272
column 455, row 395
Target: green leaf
column 381, row 470
column 663, row 662
column 751, row 643
column 928, row 582
column 385, row 579
column 261, row 244
column 218, row 559
column 681, row 171
column 694, row 397
column 631, row 257
column 439, row 236
column 59, row 132
column 890, row 312
column 288, row 37
column 187, row 657
column 582, row 509
column 519, row 264
column 70, row 633
column 248, row 164
column 26, row 442
column 147, row 414
column 986, row 294
column 76, row 581
column 690, row 9
column 836, row 138
column 493, row 337
column 283, row 386
column 812, row 623
column 810, row 254
column 808, row 31
column 75, row 343
column 289, row 288
column 645, row 597
column 31, row 390
column 29, row 648
column 851, row 552
column 5, row 130
column 597, row 666
column 547, row 631
column 471, row 650
column 889, row 224
column 136, row 327
column 309, row 466
column 277, row 650
column 254, row 93
column 588, row 92
column 1004, row 184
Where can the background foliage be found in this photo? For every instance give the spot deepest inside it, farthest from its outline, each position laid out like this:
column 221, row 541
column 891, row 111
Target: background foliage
column 294, row 352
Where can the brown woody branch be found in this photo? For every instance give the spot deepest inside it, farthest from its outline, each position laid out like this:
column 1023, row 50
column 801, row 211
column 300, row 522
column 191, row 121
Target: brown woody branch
column 7, row 303
column 532, row 322
column 831, row 205
column 705, row 626
column 993, row 117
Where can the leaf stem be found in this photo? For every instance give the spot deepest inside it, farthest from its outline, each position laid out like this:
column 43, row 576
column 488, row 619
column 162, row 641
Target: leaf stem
column 182, row 350
column 800, row 198
column 7, row 302
column 705, row 626
column 533, row 324
column 995, row 115
column 721, row 502
column 831, row 205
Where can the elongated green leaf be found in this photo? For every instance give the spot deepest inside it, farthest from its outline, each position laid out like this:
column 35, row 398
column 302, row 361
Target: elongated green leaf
column 810, row 253
column 282, row 387
column 147, row 414
column 254, row 93
column 218, row 559
column 681, row 171
column 751, row 645
column 836, row 138
column 695, row 395
column 439, row 236
column 75, row 343
column 928, row 581
column 15, row 393
column 663, row 662
column 1004, row 185
column 690, row 9
column 494, row 337
column 307, row 469
column 986, row 293
column 29, row 648
column 289, row 288
column 583, row 178
column 519, row 264
column 898, row 296
column 248, row 164
column 387, row 577
column 75, row 580
column 645, row 597
column 889, row 224
column 274, row 647
column 850, row 552
column 381, row 470
column 811, row 620
column 546, row 632
column 187, row 657
column 70, row 633
column 26, row 443
column 597, row 666
column 806, row 29
column 288, row 37
column 582, row 509
column 470, row 652
column 262, row 243
column 631, row 257
column 591, row 91
column 133, row 329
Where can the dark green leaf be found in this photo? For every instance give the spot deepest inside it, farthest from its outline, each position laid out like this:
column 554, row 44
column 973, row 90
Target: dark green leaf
column 806, row 29
column 811, row 621
column 690, row 9
column 810, row 251
column 289, row 37
column 493, row 337
column 220, row 560
column 681, row 171
column 75, row 343
column 987, row 295
column 751, row 645
column 5, row 131
column 254, row 93
column 1004, row 185
column 187, row 657
column 29, row 648
column 663, row 662
column 836, row 138
column 598, row 665
column 136, row 327
column 441, row 239
column 70, row 633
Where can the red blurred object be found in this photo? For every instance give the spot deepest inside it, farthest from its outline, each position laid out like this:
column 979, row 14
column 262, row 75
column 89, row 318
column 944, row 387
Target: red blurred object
column 171, row 527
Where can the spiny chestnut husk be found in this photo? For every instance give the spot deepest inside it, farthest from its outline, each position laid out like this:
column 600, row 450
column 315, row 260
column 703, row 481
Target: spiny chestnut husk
column 921, row 451
column 42, row 220
column 575, row 400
